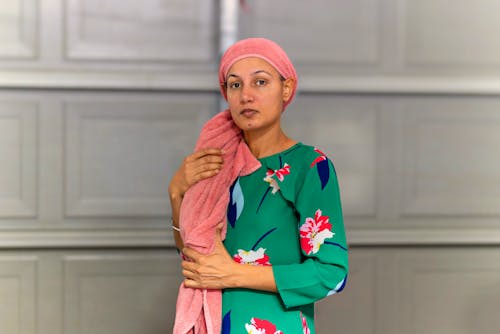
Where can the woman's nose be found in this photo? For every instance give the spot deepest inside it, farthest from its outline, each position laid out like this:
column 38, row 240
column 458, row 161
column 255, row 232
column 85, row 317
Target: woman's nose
column 246, row 94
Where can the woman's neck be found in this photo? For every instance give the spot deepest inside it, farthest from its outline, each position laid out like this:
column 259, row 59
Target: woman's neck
column 268, row 142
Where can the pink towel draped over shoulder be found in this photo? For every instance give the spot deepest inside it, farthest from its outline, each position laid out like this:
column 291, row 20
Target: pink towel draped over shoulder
column 203, row 207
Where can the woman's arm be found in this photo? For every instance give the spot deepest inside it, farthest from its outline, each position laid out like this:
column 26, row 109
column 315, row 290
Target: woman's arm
column 218, row 271
column 195, row 167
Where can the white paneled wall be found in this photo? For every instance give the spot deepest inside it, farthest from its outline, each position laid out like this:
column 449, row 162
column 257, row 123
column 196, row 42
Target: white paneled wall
column 100, row 100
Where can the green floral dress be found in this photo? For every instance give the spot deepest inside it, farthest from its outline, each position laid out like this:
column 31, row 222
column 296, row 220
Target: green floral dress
column 286, row 215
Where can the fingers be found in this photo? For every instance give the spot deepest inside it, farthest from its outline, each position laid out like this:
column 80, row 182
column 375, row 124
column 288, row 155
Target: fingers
column 208, row 271
column 191, row 254
column 202, row 164
column 204, row 152
column 207, row 167
column 188, row 269
column 189, row 283
column 191, row 277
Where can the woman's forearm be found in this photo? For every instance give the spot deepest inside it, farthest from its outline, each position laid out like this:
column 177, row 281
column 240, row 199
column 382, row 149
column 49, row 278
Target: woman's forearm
column 175, row 203
column 255, row 277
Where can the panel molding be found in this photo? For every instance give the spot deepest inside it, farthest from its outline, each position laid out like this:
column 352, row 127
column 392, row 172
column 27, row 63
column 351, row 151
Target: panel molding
column 442, row 141
column 66, row 238
column 462, row 277
column 442, row 39
column 422, row 236
column 149, row 25
column 116, row 277
column 27, row 27
column 20, row 271
column 85, row 197
column 162, row 238
column 206, row 81
column 22, row 204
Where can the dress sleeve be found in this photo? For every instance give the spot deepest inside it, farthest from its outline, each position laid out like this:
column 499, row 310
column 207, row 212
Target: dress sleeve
column 324, row 268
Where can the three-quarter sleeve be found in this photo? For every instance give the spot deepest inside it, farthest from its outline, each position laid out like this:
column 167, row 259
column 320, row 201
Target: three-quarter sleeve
column 324, row 268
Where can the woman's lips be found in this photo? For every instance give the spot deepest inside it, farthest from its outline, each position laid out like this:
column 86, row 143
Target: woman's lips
column 248, row 112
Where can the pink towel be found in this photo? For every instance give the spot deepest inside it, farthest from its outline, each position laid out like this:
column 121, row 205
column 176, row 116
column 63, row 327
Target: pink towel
column 203, row 207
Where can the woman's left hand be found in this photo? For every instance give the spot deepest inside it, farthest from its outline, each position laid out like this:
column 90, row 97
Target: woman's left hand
column 209, row 271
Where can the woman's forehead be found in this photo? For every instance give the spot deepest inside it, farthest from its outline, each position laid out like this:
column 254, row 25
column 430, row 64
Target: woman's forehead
column 251, row 65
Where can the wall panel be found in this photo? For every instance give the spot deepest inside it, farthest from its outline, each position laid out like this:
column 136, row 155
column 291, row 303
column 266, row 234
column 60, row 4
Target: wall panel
column 18, row 291
column 445, row 33
column 18, row 152
column 120, row 292
column 448, row 291
column 140, row 31
column 19, row 26
column 449, row 157
column 119, row 155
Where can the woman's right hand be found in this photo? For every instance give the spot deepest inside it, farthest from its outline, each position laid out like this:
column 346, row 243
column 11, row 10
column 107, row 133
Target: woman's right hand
column 200, row 165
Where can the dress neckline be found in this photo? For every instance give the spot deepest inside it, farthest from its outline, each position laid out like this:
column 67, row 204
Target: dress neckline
column 294, row 146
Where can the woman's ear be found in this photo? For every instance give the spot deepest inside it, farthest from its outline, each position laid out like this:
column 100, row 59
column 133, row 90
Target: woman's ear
column 288, row 86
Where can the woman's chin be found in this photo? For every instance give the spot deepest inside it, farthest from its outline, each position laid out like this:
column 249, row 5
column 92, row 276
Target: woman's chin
column 247, row 124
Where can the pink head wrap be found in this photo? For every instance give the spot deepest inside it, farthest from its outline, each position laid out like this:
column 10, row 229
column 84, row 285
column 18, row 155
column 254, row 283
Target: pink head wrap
column 260, row 48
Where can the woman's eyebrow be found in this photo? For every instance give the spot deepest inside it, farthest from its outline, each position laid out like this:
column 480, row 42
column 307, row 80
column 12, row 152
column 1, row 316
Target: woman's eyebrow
column 261, row 71
column 254, row 73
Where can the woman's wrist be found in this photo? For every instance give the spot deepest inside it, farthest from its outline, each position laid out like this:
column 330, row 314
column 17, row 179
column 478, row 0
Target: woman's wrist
column 238, row 276
column 249, row 276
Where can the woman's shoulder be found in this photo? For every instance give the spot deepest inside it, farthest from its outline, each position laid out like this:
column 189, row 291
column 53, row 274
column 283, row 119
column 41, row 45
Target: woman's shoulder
column 304, row 155
column 295, row 162
column 305, row 166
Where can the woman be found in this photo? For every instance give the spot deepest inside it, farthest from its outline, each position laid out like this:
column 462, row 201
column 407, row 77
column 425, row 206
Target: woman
column 285, row 246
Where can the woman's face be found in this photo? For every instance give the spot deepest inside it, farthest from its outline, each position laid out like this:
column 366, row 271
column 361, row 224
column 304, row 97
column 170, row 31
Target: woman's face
column 255, row 94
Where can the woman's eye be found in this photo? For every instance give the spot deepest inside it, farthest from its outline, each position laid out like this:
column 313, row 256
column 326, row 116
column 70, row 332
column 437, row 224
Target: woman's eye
column 260, row 82
column 234, row 85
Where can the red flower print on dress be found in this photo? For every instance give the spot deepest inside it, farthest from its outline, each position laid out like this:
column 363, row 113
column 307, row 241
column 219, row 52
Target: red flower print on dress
column 304, row 324
column 322, row 157
column 314, row 231
column 256, row 258
column 259, row 326
column 280, row 173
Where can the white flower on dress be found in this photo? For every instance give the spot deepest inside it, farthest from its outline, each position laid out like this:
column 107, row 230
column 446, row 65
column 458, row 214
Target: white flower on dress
column 257, row 258
column 280, row 173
